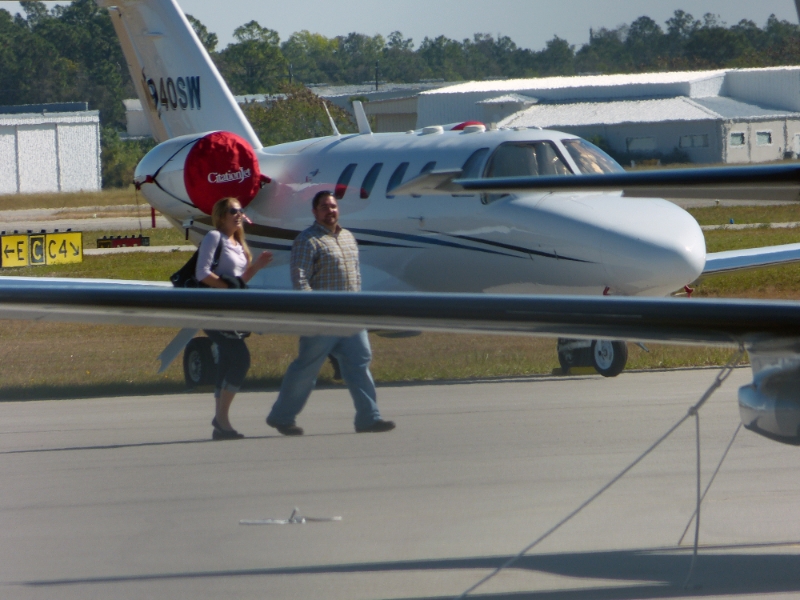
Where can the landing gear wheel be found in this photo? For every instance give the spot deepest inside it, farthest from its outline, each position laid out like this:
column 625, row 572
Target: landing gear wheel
column 199, row 367
column 573, row 353
column 566, row 360
column 609, row 358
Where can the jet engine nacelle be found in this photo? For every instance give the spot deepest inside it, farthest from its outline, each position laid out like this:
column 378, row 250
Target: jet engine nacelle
column 184, row 176
column 770, row 406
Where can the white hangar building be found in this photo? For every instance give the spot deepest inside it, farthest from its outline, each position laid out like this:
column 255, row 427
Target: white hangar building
column 49, row 148
column 728, row 116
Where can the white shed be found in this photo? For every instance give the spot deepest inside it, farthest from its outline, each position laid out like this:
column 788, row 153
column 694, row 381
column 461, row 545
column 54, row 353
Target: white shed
column 50, row 152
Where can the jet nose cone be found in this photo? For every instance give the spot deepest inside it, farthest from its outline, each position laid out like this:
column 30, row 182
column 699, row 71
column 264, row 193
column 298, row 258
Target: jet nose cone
column 659, row 248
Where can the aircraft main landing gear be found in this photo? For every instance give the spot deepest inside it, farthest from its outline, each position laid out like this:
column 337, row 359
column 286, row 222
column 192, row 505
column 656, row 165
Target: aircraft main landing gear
column 200, row 362
column 573, row 353
column 608, row 358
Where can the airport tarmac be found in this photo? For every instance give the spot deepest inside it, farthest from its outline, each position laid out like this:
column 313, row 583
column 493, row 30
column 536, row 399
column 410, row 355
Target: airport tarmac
column 128, row 497
column 126, row 217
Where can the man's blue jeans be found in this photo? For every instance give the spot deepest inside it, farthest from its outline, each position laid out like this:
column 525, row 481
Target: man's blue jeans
column 354, row 356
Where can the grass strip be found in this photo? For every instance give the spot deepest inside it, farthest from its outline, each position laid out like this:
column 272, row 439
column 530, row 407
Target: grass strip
column 721, row 215
column 63, row 360
column 135, row 265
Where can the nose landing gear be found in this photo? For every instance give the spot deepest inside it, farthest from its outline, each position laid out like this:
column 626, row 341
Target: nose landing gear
column 607, row 357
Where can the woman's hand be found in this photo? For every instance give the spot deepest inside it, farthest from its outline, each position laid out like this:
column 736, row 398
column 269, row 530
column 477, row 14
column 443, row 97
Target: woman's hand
column 261, row 261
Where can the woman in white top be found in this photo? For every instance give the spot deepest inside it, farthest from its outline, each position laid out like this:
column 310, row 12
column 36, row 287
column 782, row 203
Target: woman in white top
column 234, row 268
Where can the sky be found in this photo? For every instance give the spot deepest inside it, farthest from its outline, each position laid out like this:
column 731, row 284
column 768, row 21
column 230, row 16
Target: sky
column 529, row 23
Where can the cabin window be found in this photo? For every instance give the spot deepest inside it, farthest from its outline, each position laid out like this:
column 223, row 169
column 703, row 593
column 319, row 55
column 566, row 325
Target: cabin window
column 737, row 139
column 397, row 178
column 589, row 158
column 344, row 181
column 370, row 179
column 472, row 166
column 472, row 169
column 694, row 141
column 526, row 159
column 764, row 138
column 428, row 167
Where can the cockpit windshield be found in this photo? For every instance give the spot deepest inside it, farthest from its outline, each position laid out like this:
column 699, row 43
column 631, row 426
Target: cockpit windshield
column 526, row 159
column 589, row 158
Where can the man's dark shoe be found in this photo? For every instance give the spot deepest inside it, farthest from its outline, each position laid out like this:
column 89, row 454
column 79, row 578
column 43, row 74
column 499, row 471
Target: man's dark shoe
column 286, row 429
column 377, row 427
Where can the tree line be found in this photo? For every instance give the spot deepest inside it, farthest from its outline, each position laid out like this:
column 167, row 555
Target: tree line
column 71, row 53
column 258, row 62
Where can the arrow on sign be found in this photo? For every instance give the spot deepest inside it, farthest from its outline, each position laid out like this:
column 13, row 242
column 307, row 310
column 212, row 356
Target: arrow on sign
column 75, row 250
column 8, row 250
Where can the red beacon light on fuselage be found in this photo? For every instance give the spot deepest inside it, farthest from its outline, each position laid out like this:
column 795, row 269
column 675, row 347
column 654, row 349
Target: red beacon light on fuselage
column 465, row 124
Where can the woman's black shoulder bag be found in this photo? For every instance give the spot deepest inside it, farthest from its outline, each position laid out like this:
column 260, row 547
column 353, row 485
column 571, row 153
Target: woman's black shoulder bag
column 184, row 277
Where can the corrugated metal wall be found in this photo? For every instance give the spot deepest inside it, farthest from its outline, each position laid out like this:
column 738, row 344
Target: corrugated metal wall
column 777, row 87
column 55, row 152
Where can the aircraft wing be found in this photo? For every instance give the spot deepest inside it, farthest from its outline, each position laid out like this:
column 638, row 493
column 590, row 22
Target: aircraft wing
column 675, row 320
column 751, row 258
column 41, row 281
column 770, row 182
column 431, row 183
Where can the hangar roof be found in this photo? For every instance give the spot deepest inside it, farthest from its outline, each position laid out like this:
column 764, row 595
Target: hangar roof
column 583, row 81
column 61, row 118
column 510, row 99
column 729, row 108
column 553, row 116
column 385, row 90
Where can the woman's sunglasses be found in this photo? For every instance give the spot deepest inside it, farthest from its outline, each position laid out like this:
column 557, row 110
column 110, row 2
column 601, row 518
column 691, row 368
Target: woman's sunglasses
column 234, row 211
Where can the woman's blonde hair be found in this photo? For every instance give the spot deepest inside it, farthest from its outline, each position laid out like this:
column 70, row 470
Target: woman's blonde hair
column 218, row 213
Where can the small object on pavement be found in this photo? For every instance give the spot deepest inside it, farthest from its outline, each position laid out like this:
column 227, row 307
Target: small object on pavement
column 294, row 519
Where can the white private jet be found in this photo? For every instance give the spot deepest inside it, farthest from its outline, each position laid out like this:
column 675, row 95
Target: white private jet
column 455, row 235
column 416, row 231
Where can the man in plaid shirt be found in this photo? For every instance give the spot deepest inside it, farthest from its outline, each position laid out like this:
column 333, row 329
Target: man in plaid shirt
column 325, row 257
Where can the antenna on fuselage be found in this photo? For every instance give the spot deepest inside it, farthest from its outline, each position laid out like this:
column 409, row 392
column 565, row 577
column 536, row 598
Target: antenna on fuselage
column 361, row 116
column 333, row 123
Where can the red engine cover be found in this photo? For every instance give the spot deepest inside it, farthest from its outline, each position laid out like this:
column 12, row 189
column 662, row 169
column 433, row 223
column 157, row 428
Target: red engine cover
column 221, row 165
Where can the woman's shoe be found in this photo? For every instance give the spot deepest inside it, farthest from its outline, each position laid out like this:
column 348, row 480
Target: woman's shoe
column 224, row 434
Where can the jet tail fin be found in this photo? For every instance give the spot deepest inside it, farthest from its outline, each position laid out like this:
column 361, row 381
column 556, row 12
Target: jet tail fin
column 179, row 86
